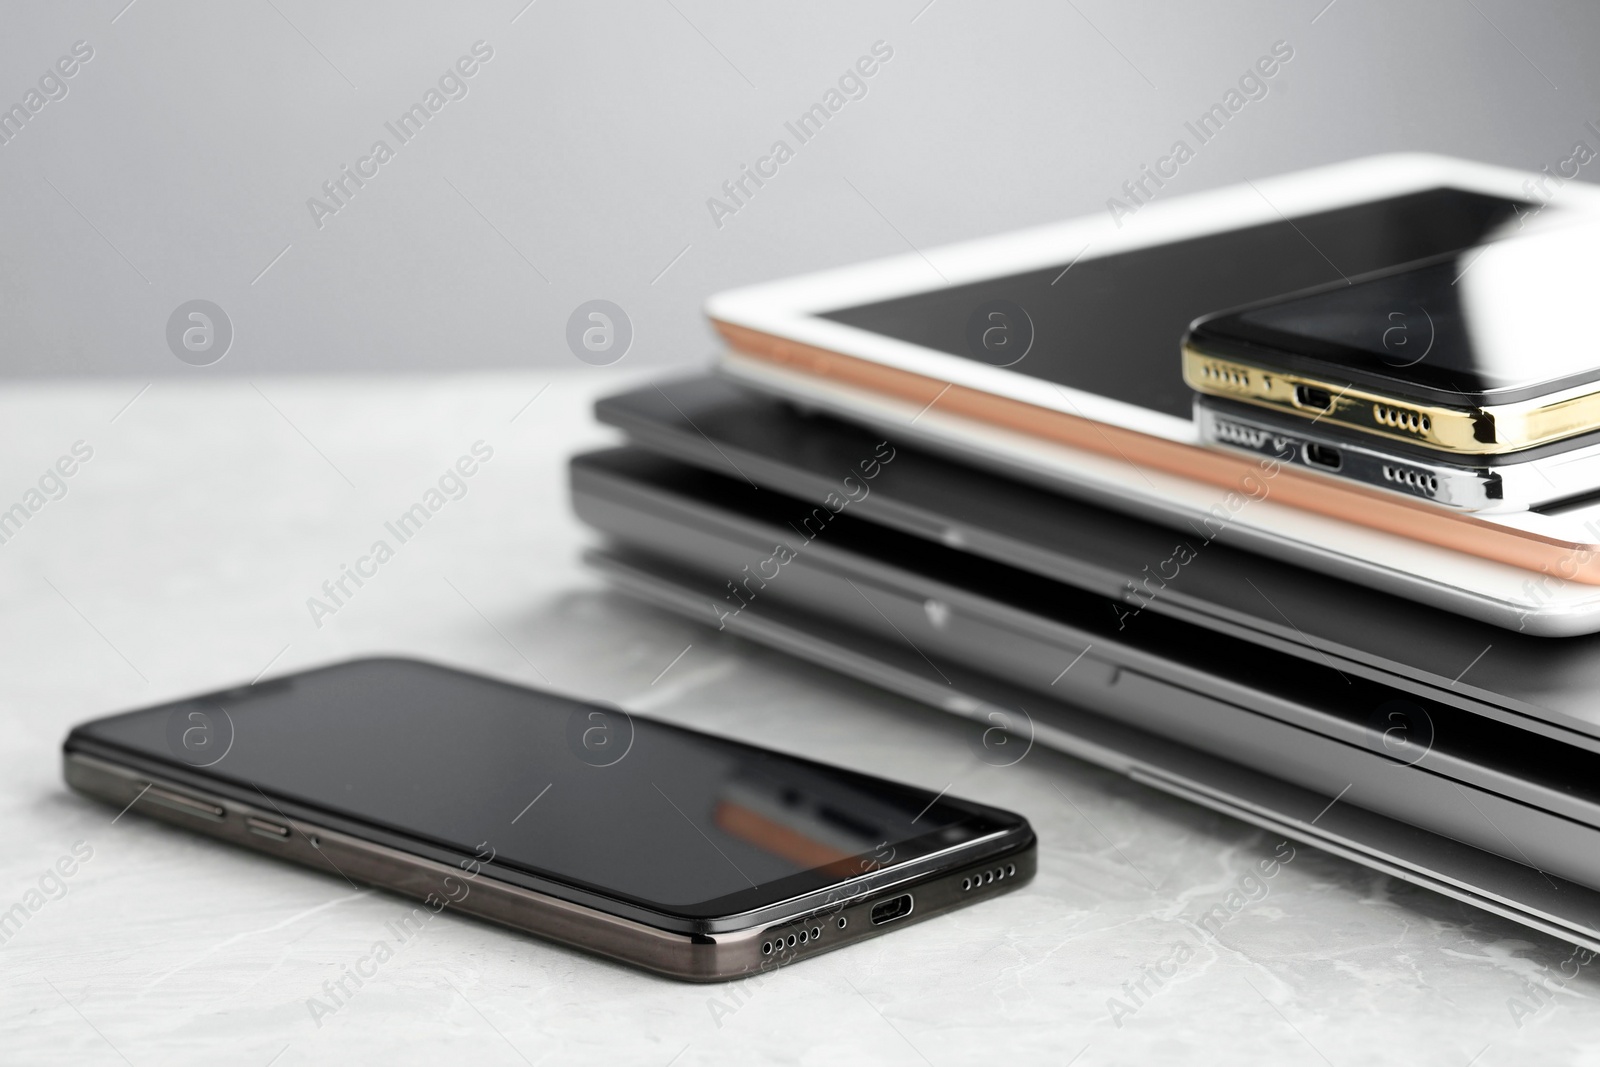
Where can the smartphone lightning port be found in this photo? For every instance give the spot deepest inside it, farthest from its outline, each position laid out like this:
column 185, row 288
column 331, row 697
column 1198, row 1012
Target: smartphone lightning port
column 1324, row 457
column 888, row 911
column 1309, row 396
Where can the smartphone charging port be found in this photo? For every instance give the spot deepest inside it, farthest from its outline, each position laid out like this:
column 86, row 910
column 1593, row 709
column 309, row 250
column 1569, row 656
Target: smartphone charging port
column 887, row 911
column 1309, row 396
column 1324, row 457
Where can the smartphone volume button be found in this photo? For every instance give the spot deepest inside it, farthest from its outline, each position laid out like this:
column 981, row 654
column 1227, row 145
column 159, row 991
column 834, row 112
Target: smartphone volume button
column 189, row 805
column 267, row 828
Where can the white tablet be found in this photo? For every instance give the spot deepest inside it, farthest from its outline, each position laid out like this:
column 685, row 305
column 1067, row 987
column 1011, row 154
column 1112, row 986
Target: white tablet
column 1053, row 353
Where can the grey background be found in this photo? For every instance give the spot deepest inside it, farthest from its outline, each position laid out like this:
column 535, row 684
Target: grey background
column 180, row 163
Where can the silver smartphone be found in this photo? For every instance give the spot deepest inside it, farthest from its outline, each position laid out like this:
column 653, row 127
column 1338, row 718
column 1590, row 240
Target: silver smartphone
column 689, row 855
column 1550, row 477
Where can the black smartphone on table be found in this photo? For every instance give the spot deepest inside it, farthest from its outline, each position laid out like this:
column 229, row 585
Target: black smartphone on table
column 690, row 855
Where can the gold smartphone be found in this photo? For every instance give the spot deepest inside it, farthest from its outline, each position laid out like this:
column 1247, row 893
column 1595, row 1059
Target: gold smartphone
column 1483, row 351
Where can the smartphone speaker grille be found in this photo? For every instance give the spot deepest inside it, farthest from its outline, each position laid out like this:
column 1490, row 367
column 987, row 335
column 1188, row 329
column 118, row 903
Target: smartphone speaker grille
column 1419, row 482
column 1233, row 433
column 1401, row 418
column 790, row 937
column 989, row 877
column 1226, row 376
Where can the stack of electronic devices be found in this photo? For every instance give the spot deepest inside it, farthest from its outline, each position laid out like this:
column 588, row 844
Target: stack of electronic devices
column 1283, row 498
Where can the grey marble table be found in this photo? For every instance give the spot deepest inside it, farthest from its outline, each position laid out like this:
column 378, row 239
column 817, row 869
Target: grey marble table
column 181, row 557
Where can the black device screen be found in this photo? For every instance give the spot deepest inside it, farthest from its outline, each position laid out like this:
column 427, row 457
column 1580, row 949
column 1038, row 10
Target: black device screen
column 1113, row 325
column 666, row 818
column 1513, row 318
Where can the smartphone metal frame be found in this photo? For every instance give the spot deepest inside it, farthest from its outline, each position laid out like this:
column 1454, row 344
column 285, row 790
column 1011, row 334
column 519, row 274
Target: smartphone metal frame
column 1492, row 429
column 471, row 889
column 1541, row 479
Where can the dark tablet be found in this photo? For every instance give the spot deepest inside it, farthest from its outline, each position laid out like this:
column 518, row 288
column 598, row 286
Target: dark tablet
column 1143, row 572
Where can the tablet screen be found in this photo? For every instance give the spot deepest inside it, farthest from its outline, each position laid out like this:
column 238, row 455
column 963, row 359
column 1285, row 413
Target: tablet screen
column 1112, row 325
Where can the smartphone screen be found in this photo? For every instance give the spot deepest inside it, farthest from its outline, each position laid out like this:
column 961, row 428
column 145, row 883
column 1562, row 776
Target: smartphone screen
column 1112, row 325
column 671, row 820
column 1512, row 320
